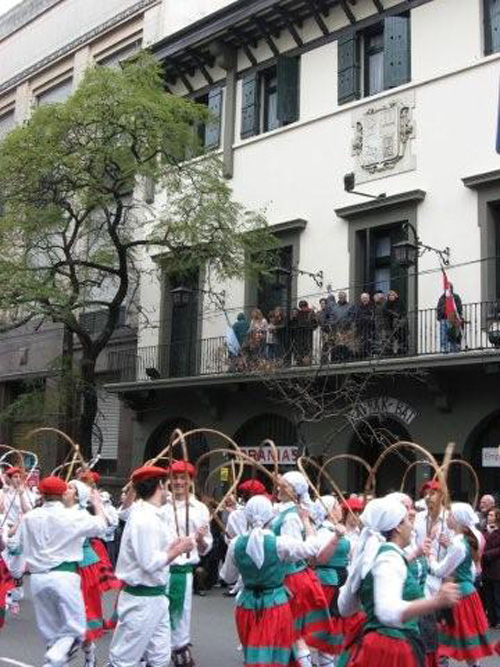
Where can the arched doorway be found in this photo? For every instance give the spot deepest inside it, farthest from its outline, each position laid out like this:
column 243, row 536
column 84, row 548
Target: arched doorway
column 197, row 444
column 372, row 436
column 481, row 451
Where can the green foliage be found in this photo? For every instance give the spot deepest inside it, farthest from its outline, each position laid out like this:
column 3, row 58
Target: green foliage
column 75, row 226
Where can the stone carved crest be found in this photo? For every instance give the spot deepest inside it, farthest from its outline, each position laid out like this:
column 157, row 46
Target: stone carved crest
column 381, row 142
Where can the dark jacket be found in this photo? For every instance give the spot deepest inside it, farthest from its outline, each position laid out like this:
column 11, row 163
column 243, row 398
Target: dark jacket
column 394, row 312
column 364, row 318
column 241, row 328
column 441, row 306
column 491, row 555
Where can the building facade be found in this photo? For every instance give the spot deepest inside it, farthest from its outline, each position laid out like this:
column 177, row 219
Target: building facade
column 312, row 100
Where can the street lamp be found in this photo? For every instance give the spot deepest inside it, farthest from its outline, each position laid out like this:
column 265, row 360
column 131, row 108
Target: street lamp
column 182, row 295
column 406, row 253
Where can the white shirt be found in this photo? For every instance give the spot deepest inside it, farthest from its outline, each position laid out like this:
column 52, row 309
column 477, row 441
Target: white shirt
column 289, row 549
column 199, row 516
column 52, row 534
column 13, row 506
column 456, row 554
column 292, row 523
column 440, row 527
column 389, row 574
column 143, row 558
column 111, row 514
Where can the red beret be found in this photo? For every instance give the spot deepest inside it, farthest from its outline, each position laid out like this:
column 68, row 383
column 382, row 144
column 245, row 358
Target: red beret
column 253, row 487
column 429, row 486
column 13, row 471
column 355, row 504
column 183, row 466
column 52, row 486
column 90, row 476
column 148, row 472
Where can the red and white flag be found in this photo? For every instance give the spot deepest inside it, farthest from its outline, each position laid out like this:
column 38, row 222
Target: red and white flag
column 450, row 306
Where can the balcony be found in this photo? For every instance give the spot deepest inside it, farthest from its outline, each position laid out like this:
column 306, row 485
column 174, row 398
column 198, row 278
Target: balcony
column 417, row 339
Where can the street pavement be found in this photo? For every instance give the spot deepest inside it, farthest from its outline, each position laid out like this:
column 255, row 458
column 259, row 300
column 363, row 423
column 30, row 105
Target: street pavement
column 214, row 636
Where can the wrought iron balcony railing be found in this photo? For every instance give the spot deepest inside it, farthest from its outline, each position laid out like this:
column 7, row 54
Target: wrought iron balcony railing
column 359, row 337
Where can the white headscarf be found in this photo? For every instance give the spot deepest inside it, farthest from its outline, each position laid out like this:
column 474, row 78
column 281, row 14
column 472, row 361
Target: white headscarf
column 299, row 484
column 83, row 492
column 320, row 513
column 465, row 516
column 379, row 516
column 258, row 512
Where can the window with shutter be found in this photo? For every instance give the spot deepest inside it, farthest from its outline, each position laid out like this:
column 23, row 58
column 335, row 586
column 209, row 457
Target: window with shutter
column 287, row 103
column 348, row 68
column 396, row 51
column 492, row 26
column 213, row 127
column 250, row 109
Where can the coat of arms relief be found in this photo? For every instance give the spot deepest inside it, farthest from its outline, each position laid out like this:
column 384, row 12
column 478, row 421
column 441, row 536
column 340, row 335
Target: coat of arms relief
column 382, row 138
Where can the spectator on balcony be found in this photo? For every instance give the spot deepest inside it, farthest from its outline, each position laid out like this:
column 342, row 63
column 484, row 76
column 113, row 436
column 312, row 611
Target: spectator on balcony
column 381, row 342
column 364, row 325
column 342, row 312
column 274, row 338
column 449, row 328
column 241, row 328
column 324, row 317
column 257, row 321
column 305, row 324
column 397, row 323
column 254, row 349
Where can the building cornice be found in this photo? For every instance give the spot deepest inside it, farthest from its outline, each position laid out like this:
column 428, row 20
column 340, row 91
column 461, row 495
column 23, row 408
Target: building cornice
column 76, row 43
column 482, row 180
column 23, row 14
column 297, row 225
column 356, row 210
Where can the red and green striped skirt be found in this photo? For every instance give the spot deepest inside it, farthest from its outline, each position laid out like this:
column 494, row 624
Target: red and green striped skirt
column 107, row 579
column 91, row 593
column 467, row 638
column 7, row 583
column 266, row 635
column 337, row 623
column 377, row 650
column 311, row 616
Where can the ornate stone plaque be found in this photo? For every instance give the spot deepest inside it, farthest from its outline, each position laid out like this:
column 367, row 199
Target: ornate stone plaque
column 381, row 143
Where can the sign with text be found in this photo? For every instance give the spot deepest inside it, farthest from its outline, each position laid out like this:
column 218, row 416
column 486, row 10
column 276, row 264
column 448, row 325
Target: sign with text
column 287, row 456
column 384, row 405
column 490, row 457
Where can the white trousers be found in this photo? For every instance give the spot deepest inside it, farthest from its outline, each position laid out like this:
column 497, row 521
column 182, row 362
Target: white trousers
column 181, row 635
column 143, row 631
column 59, row 612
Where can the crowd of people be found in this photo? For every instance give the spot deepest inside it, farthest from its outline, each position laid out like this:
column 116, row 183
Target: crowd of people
column 357, row 582
column 373, row 326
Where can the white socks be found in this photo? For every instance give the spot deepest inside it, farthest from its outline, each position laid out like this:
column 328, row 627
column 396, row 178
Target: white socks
column 304, row 659
column 325, row 660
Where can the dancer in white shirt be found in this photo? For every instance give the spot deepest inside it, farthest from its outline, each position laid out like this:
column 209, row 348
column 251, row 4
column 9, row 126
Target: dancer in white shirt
column 148, row 547
column 49, row 544
column 181, row 570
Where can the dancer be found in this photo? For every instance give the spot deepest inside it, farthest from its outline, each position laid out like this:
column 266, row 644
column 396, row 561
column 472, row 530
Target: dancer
column 382, row 583
column 148, row 547
column 331, row 565
column 465, row 637
column 78, row 497
column 182, row 474
column 312, row 621
column 263, row 615
column 49, row 543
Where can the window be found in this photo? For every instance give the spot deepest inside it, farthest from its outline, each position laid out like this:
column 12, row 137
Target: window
column 116, row 58
column 374, row 60
column 57, row 94
column 492, row 26
column 275, row 288
column 209, row 133
column 7, row 122
column 378, row 269
column 270, row 98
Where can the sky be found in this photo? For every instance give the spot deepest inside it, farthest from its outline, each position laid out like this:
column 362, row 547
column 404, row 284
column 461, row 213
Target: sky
column 5, row 5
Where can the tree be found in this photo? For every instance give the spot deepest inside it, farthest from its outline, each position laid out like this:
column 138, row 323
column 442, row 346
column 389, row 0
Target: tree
column 76, row 225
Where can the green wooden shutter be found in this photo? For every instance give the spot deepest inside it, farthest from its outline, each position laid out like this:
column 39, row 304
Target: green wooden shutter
column 288, row 89
column 213, row 126
column 250, row 108
column 492, row 26
column 348, row 68
column 397, row 54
